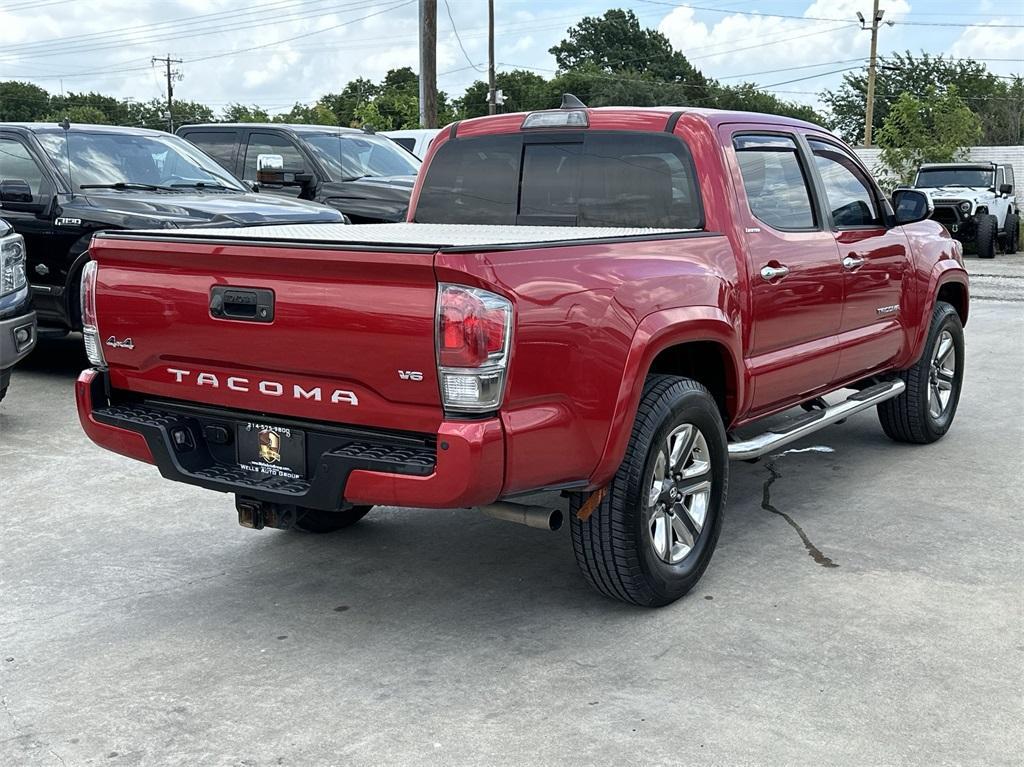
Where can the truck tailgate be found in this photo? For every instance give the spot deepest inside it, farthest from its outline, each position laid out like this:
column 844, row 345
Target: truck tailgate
column 351, row 339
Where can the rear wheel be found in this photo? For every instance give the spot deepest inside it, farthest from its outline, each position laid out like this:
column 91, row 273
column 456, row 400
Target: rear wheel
column 986, row 231
column 651, row 537
column 319, row 521
column 925, row 410
column 1012, row 233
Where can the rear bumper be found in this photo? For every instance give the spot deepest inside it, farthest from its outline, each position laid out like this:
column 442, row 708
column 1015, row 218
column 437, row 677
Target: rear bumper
column 460, row 466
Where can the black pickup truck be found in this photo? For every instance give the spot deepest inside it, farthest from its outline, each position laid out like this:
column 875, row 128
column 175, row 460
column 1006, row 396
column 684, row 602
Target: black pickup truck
column 60, row 185
column 367, row 177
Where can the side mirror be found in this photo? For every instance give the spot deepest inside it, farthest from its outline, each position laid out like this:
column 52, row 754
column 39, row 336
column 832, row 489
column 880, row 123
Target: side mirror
column 16, row 195
column 270, row 170
column 1006, row 189
column 15, row 190
column 910, row 205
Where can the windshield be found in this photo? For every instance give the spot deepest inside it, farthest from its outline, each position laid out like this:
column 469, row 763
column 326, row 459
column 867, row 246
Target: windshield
column 933, row 177
column 118, row 158
column 349, row 156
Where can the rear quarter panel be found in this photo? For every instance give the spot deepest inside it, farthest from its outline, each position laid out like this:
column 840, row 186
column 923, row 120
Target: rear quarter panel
column 578, row 310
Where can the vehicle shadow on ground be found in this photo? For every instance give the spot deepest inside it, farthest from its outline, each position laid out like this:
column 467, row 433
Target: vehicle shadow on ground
column 435, row 572
column 63, row 356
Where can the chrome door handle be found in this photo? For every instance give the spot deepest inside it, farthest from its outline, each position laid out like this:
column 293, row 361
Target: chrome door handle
column 770, row 273
column 852, row 262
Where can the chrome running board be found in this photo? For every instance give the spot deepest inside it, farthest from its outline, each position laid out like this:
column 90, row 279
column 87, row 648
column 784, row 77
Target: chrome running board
column 811, row 422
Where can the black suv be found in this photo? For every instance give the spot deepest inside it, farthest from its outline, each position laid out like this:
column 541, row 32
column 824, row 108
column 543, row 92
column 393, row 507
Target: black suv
column 59, row 186
column 367, row 177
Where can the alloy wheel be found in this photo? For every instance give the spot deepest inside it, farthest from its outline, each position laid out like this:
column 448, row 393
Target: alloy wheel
column 679, row 493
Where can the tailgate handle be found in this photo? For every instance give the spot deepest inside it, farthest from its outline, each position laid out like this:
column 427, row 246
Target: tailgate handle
column 246, row 304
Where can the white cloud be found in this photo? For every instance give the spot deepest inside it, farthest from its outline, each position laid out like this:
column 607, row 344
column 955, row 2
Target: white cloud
column 305, row 68
column 727, row 46
column 986, row 40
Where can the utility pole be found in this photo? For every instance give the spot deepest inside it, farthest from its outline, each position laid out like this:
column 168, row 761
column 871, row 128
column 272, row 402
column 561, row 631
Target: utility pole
column 869, row 111
column 492, row 105
column 428, row 63
column 172, row 75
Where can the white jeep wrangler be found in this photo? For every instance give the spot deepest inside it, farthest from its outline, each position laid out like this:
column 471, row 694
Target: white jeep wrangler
column 975, row 201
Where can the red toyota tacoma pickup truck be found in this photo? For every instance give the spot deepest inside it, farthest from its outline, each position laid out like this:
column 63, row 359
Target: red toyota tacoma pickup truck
column 584, row 300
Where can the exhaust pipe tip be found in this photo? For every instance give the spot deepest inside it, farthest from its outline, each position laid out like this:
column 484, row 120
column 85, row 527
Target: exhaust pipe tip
column 537, row 517
column 555, row 520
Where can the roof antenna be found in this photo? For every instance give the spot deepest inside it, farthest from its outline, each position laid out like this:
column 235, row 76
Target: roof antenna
column 66, row 125
column 571, row 102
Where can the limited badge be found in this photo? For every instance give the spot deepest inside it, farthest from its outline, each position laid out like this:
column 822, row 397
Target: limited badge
column 270, row 446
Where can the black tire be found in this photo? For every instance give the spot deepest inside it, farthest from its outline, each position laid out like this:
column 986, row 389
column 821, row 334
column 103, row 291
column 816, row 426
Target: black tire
column 319, row 521
column 615, row 547
column 3, row 393
column 1011, row 233
column 985, row 234
column 910, row 417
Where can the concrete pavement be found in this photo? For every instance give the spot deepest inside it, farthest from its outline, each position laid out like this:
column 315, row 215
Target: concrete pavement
column 139, row 625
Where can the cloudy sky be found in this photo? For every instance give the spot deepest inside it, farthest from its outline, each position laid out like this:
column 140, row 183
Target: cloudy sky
column 276, row 52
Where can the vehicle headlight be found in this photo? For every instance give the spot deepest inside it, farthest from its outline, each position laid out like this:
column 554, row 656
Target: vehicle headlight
column 12, row 264
column 965, row 206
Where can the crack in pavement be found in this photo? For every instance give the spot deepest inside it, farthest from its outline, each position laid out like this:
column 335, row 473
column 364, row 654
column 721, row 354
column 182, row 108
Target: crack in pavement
column 766, row 504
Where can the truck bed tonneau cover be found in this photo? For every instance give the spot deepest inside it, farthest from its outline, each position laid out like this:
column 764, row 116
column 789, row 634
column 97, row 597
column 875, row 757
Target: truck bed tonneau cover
column 408, row 235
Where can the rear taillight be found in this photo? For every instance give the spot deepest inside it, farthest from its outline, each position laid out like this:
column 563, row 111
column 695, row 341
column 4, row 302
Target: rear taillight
column 90, row 326
column 474, row 329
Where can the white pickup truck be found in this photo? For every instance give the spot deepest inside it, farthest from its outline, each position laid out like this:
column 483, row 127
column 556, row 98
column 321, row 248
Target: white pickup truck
column 975, row 201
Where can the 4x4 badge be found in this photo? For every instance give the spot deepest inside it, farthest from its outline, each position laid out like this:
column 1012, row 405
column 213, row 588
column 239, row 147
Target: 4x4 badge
column 127, row 343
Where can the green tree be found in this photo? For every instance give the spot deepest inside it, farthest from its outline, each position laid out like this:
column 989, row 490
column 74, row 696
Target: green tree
column 153, row 113
column 240, row 113
column 1003, row 117
column 82, row 114
column 22, row 102
column 936, row 128
column 395, row 103
column 89, row 108
column 344, row 105
column 747, row 97
column 523, row 91
column 616, row 42
column 906, row 73
column 308, row 114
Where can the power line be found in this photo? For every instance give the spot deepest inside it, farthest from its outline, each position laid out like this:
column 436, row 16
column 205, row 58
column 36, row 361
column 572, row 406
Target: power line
column 305, row 34
column 159, row 26
column 469, row 61
column 85, row 46
column 821, row 18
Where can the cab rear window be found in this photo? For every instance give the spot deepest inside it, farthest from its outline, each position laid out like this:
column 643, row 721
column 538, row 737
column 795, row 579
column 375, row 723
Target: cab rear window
column 563, row 178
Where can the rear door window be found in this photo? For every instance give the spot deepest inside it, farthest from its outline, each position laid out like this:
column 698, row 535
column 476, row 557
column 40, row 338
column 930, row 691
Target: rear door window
column 473, row 181
column 222, row 146
column 775, row 181
column 643, row 180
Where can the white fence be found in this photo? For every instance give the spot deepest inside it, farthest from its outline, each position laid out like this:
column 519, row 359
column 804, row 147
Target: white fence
column 1004, row 155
